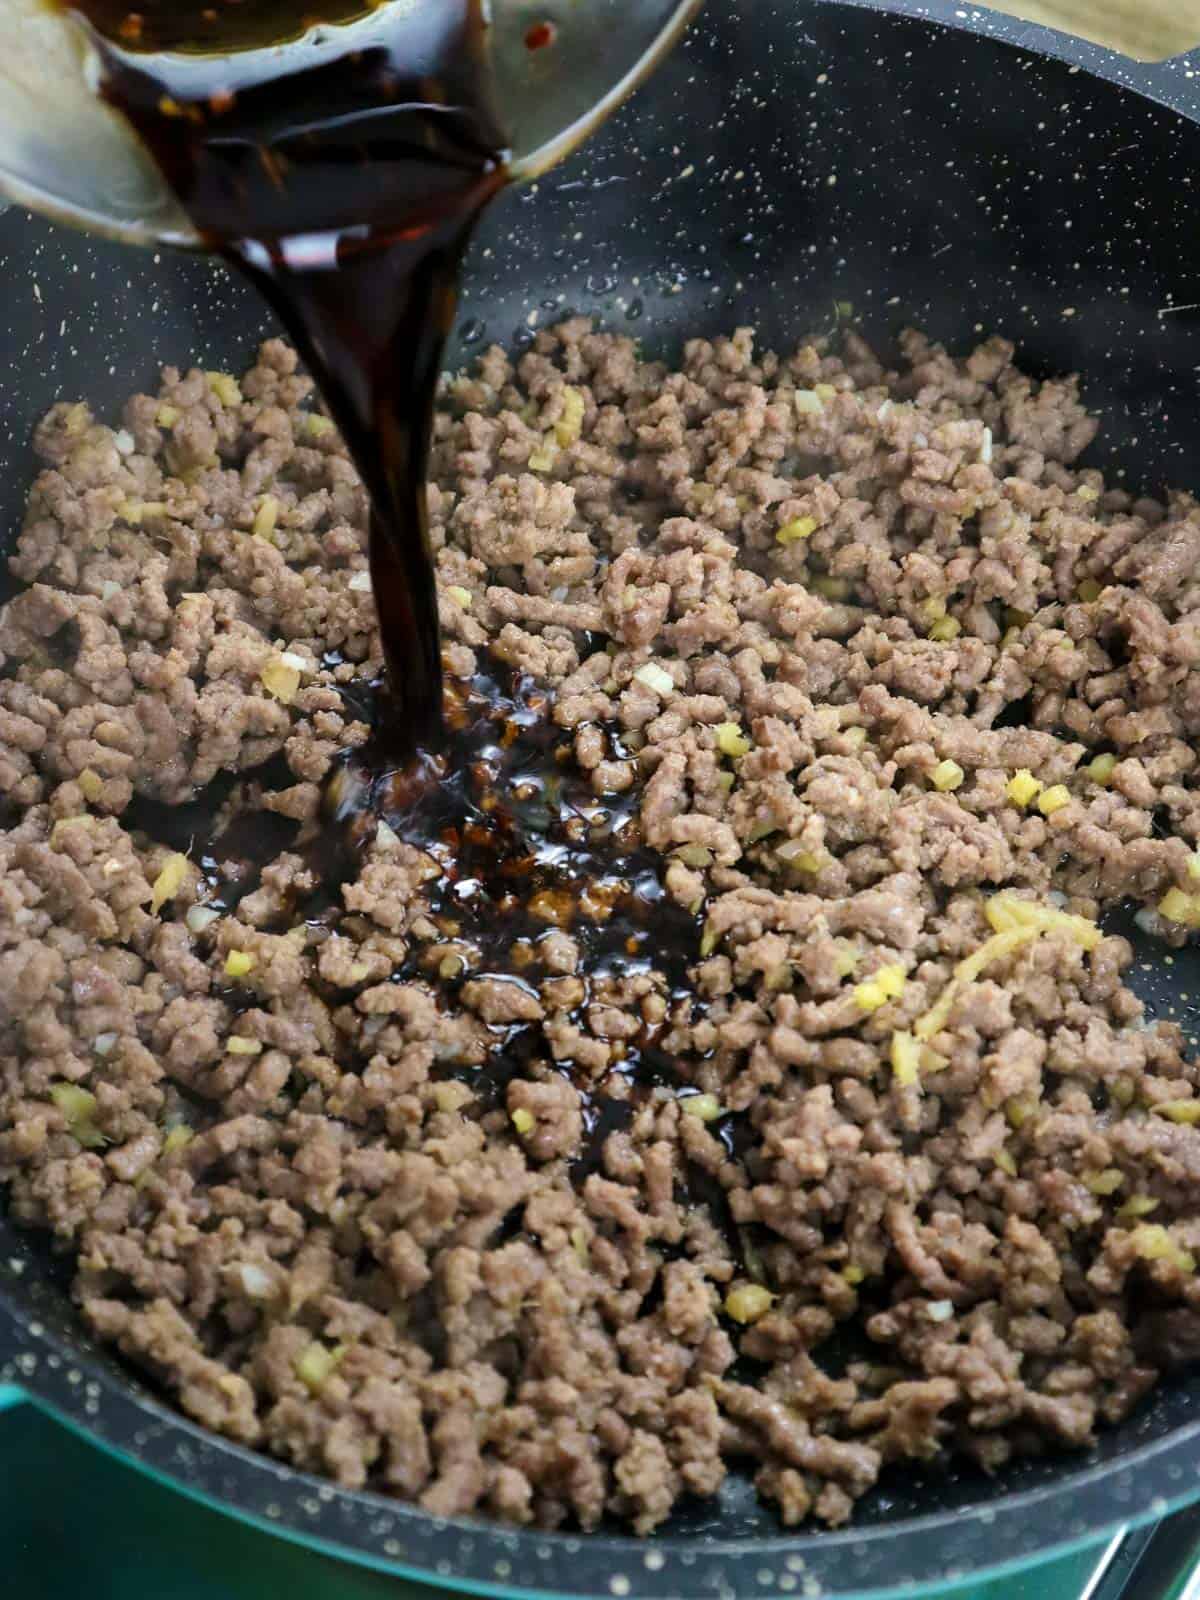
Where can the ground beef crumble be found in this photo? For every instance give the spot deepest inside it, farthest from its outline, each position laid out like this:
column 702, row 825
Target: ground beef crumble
column 810, row 619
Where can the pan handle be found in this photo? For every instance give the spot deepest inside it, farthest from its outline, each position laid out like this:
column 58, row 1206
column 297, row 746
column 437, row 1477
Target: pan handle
column 1169, row 1568
column 10, row 1396
column 1159, row 1561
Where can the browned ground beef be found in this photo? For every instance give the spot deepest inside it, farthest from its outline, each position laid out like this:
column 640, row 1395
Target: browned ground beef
column 318, row 1240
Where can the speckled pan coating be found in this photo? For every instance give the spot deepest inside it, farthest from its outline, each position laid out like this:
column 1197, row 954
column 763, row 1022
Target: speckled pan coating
column 903, row 158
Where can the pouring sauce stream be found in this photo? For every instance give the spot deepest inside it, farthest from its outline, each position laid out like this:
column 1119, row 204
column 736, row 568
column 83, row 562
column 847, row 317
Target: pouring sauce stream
column 341, row 168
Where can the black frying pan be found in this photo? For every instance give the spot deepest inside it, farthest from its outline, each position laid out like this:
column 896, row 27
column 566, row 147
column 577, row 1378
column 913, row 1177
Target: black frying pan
column 983, row 183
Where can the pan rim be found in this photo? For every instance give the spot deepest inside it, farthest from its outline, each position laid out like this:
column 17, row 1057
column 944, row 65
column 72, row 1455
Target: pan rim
column 1160, row 1465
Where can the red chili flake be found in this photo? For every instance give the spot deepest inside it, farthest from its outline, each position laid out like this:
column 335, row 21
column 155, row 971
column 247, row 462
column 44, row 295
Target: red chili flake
column 540, row 35
column 221, row 101
column 132, row 25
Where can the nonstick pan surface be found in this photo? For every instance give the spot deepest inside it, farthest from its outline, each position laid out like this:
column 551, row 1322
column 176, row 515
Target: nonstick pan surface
column 793, row 166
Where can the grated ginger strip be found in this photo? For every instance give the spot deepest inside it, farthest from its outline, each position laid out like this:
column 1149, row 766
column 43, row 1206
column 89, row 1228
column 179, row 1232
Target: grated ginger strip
column 1017, row 922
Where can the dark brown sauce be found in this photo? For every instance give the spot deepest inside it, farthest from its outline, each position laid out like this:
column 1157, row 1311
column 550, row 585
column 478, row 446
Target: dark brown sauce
column 344, row 174
column 341, row 164
column 523, row 847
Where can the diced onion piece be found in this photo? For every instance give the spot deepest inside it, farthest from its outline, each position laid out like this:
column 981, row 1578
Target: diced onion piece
column 256, row 1281
column 177, row 1137
column 109, row 590
column 825, row 391
column 846, row 957
column 1054, row 799
column 869, row 995
column 318, row 425
column 123, row 440
column 1186, row 1111
column 705, row 1107
column 1138, row 1205
column 731, row 741
column 799, row 857
column 360, row 582
column 225, row 386
column 798, row 528
column 280, row 678
column 1193, row 865
column 985, row 449
column 316, row 1364
column 906, row 1059
column 386, row 838
column 694, row 855
column 945, row 629
column 1087, row 491
column 1104, row 1182
column 460, row 596
column 1101, row 769
column 103, row 1043
column 656, row 678
column 1004, row 1160
column 1181, row 908
column 266, row 516
column 169, row 881
column 78, row 1107
column 853, row 1275
column 73, row 1101
column 522, row 1120
column 1153, row 1242
column 240, row 962
column 451, row 1096
column 748, row 1302
column 1019, row 1108
column 236, row 1045
column 934, row 609
column 1088, row 591
column 200, row 917
column 543, row 458
column 134, row 510
column 1023, row 787
column 91, row 784
column 947, row 775
column 940, row 1310
column 855, row 737
column 891, row 979
column 570, row 424
column 808, row 403
column 167, row 416
column 709, row 940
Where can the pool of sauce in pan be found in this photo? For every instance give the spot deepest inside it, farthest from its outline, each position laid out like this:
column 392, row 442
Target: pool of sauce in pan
column 518, row 846
column 344, row 174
